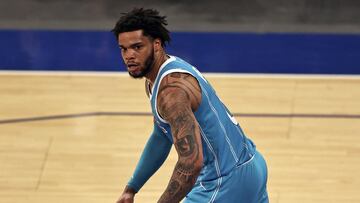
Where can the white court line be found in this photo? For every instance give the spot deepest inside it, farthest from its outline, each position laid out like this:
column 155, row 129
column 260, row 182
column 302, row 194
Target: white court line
column 208, row 75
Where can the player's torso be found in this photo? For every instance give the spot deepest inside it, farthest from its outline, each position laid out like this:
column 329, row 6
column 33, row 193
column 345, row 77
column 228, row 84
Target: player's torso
column 224, row 143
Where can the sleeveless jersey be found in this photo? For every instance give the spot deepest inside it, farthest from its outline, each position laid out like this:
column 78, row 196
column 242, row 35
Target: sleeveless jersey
column 224, row 144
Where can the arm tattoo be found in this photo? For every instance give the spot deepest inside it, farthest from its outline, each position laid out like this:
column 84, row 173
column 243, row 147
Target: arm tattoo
column 174, row 105
column 185, row 145
column 185, row 82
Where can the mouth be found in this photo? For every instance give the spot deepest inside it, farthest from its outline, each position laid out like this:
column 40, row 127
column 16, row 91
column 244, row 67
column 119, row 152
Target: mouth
column 133, row 68
column 132, row 65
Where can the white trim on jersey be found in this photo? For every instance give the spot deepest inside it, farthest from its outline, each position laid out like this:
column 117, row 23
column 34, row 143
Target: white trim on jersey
column 222, row 126
column 217, row 167
column 159, row 82
column 246, row 162
column 172, row 58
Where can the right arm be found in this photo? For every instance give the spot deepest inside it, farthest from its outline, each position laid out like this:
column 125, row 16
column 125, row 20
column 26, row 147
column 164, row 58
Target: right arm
column 153, row 156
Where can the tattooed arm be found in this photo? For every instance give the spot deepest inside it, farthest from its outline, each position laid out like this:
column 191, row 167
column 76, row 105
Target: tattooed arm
column 180, row 95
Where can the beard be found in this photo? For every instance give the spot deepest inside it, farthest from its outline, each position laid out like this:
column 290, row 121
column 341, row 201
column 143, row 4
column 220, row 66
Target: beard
column 147, row 67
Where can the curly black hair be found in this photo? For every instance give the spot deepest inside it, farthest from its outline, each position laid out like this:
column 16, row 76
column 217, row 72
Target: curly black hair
column 148, row 20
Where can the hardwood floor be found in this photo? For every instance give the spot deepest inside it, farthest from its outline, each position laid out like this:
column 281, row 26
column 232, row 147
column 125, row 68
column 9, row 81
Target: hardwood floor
column 76, row 137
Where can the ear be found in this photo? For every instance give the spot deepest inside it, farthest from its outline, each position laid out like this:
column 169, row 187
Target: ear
column 157, row 45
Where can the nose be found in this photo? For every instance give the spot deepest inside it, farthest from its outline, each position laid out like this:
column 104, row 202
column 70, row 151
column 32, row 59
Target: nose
column 129, row 54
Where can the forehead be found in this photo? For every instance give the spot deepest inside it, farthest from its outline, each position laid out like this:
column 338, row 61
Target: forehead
column 129, row 38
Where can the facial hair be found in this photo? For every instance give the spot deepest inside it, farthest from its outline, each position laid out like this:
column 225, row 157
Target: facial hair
column 147, row 67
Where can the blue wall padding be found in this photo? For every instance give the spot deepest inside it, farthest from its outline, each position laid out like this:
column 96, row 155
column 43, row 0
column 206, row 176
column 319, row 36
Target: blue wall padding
column 209, row 52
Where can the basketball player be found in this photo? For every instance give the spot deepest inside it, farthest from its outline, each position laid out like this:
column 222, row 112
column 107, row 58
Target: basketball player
column 216, row 161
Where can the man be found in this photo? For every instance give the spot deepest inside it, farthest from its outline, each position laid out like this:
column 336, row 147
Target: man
column 216, row 161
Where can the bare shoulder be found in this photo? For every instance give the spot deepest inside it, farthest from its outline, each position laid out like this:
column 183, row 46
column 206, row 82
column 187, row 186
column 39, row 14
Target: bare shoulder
column 180, row 89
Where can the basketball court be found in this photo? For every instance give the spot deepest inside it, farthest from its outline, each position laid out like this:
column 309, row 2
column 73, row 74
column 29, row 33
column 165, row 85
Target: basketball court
column 76, row 137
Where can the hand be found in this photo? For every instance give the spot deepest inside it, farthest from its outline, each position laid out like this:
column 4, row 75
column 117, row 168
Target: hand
column 127, row 196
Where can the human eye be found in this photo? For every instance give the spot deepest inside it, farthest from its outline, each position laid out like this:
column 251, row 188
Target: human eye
column 123, row 49
column 138, row 47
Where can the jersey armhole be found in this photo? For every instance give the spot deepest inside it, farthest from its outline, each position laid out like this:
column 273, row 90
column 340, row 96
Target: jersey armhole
column 162, row 76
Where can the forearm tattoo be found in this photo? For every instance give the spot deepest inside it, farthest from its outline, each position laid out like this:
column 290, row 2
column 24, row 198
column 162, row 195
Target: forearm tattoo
column 174, row 106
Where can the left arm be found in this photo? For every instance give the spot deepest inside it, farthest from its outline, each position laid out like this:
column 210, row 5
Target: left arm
column 154, row 154
column 176, row 100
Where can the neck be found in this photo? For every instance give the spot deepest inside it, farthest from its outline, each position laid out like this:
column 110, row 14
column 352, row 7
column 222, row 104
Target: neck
column 151, row 76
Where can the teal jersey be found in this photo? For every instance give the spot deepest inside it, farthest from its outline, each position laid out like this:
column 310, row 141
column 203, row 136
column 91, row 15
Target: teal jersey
column 225, row 145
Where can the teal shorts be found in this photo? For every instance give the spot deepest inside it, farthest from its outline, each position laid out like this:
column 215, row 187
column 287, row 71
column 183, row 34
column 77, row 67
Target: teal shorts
column 246, row 183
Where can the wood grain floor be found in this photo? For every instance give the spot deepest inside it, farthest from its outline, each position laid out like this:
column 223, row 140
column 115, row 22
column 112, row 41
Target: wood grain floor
column 76, row 138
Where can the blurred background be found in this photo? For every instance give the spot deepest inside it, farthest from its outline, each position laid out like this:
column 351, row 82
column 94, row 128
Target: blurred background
column 246, row 36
